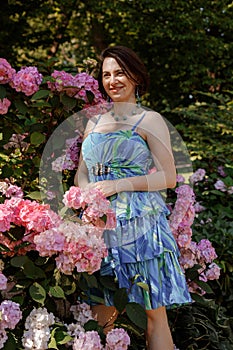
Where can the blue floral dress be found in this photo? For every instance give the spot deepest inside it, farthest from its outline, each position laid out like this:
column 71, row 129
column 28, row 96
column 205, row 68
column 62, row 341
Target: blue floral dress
column 141, row 248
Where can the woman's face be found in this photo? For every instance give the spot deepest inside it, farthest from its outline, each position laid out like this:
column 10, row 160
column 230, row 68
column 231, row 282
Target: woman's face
column 116, row 83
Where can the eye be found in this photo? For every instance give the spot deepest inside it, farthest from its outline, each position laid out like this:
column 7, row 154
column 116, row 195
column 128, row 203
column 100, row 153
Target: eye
column 120, row 73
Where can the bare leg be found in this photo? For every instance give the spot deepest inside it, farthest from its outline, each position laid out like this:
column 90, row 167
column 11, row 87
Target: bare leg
column 158, row 332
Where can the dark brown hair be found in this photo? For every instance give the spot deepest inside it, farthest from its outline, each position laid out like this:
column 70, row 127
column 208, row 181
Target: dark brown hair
column 132, row 65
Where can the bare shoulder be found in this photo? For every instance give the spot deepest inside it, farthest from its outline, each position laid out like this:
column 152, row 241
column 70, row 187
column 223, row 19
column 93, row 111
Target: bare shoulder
column 154, row 123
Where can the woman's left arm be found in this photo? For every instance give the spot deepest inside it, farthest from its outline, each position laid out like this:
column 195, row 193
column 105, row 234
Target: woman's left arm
column 158, row 141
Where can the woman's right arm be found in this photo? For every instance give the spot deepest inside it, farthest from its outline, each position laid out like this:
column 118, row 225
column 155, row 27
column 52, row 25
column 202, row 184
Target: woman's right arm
column 81, row 177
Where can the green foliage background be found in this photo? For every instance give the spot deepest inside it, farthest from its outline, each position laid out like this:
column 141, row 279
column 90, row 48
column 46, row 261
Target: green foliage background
column 187, row 47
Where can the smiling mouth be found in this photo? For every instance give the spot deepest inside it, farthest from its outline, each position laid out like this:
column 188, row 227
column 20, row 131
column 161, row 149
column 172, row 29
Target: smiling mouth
column 116, row 89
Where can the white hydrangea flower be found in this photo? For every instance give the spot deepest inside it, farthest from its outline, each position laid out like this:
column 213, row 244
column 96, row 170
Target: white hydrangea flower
column 37, row 331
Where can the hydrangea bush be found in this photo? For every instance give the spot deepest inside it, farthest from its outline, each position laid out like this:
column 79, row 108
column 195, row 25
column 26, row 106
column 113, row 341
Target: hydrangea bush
column 49, row 260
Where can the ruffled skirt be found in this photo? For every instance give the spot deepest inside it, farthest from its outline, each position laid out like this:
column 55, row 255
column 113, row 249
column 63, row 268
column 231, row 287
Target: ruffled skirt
column 143, row 249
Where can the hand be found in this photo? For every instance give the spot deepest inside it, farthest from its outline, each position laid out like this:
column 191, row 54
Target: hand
column 107, row 187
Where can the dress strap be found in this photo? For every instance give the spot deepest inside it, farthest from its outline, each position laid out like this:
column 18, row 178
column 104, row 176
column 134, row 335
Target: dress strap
column 96, row 122
column 138, row 122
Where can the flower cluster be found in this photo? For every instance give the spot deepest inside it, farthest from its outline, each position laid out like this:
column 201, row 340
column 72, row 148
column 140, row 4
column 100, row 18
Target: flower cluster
column 93, row 205
column 76, row 85
column 221, row 186
column 183, row 215
column 76, row 246
column 37, row 329
column 192, row 253
column 9, row 190
column 197, row 176
column 28, row 215
column 10, row 315
column 87, row 340
column 82, row 313
column 116, row 339
column 16, row 141
column 81, row 86
column 6, row 71
column 69, row 160
column 27, row 80
column 4, row 105
column 3, row 281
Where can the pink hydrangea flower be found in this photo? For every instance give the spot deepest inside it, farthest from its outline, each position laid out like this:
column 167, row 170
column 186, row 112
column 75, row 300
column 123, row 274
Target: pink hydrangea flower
column 191, row 253
column 94, row 205
column 31, row 215
column 6, row 217
column 207, row 252
column 221, row 171
column 3, row 281
column 180, row 178
column 77, row 246
column 3, row 338
column 195, row 288
column 10, row 314
column 197, row 176
column 87, row 340
column 27, row 80
column 16, row 141
column 6, row 71
column 198, row 207
column 187, row 258
column 35, row 216
column 76, row 86
column 117, row 339
column 69, row 160
column 82, row 313
column 10, row 190
column 219, row 185
column 4, row 105
column 213, row 272
column 183, row 209
column 50, row 242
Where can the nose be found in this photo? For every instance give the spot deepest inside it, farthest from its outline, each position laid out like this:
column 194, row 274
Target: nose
column 112, row 79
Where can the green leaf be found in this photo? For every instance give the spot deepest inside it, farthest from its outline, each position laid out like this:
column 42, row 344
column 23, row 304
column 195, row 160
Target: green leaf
column 32, row 271
column 57, row 292
column 70, row 289
column 11, row 343
column 21, row 107
column 52, row 344
column 205, row 286
column 90, row 96
column 68, row 102
column 91, row 325
column 143, row 286
column 61, row 336
column 4, row 248
column 2, row 92
column 19, row 261
column 34, row 195
column 91, row 280
column 38, row 293
column 120, row 299
column 40, row 94
column 37, row 138
column 108, row 282
column 137, row 315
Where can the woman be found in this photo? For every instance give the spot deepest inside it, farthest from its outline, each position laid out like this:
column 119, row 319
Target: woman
column 120, row 147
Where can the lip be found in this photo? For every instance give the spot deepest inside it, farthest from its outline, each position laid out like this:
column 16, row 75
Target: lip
column 116, row 89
